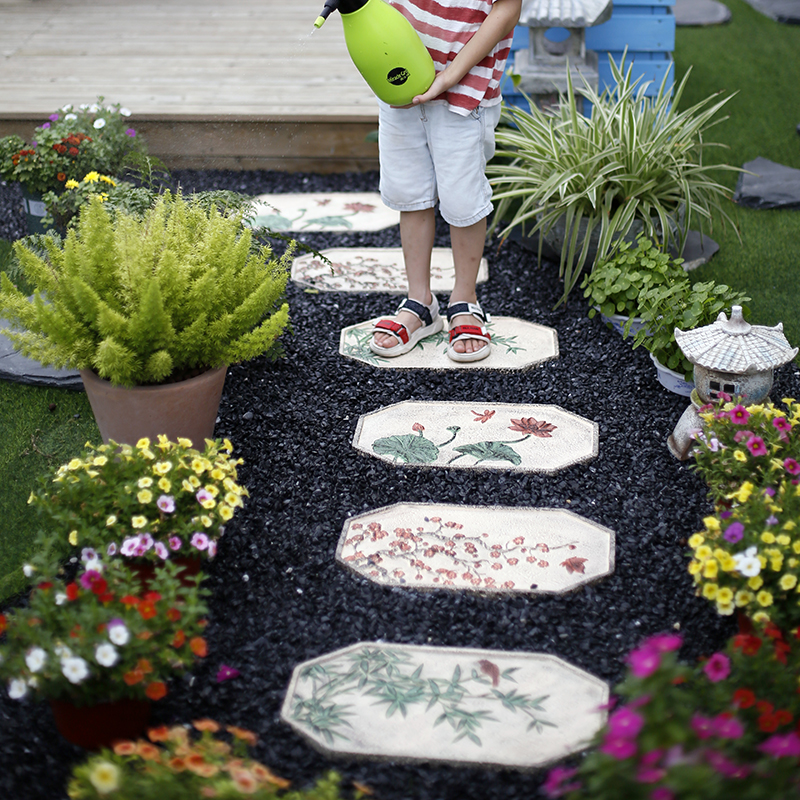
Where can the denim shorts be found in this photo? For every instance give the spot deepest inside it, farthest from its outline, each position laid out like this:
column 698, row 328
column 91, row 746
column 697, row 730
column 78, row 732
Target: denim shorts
column 430, row 153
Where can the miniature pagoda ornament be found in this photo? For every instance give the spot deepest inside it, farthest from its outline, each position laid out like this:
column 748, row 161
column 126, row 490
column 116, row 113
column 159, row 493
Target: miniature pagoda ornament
column 729, row 356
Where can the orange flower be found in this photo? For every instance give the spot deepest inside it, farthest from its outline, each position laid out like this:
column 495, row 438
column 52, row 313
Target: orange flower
column 129, row 600
column 178, row 764
column 199, row 646
column 241, row 733
column 177, row 733
column 144, row 635
column 61, row 176
column 205, row 725
column 195, row 762
column 125, row 748
column 160, row 734
column 147, row 609
column 144, row 665
column 156, row 690
column 133, row 677
column 149, row 752
column 173, row 615
column 265, row 776
column 244, row 781
column 207, row 770
column 179, row 639
column 152, row 597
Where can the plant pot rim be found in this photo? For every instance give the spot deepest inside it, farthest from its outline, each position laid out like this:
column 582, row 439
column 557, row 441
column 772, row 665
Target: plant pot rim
column 91, row 375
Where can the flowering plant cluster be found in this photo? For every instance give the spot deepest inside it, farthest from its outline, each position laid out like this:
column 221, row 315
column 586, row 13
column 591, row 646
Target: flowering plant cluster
column 70, row 143
column 729, row 727
column 756, row 443
column 63, row 207
column 102, row 634
column 153, row 500
column 185, row 763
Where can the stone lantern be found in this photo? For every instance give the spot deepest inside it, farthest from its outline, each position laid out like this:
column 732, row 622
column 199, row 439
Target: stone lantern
column 557, row 39
column 729, row 356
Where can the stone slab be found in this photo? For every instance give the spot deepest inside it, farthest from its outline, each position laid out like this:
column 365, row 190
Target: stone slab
column 439, row 704
column 324, row 211
column 16, row 367
column 373, row 269
column 700, row 13
column 461, row 435
column 488, row 549
column 771, row 185
column 516, row 345
column 787, row 11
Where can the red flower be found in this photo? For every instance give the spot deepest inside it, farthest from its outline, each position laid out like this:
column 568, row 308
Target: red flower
column 784, row 716
column 133, row 677
column 152, row 597
column 198, row 646
column 99, row 586
column 532, row 427
column 147, row 610
column 768, row 723
column 744, row 698
column 173, row 615
column 71, row 590
column 61, row 177
column 73, row 151
column 3, row 623
column 748, row 644
column 106, row 598
column 129, row 600
column 485, row 417
column 45, row 585
column 178, row 640
column 156, row 690
column 574, row 564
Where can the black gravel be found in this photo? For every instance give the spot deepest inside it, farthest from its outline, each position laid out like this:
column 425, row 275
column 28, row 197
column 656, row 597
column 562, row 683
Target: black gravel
column 278, row 595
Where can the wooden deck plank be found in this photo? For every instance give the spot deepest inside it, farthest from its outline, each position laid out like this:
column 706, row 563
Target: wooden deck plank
column 237, row 85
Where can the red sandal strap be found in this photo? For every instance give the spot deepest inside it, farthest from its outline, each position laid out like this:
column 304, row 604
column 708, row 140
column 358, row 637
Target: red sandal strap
column 395, row 328
column 469, row 332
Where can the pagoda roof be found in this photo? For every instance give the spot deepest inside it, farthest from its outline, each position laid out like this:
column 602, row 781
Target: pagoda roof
column 565, row 13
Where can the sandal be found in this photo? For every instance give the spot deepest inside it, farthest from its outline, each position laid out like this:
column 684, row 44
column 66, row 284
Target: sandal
column 462, row 332
column 428, row 316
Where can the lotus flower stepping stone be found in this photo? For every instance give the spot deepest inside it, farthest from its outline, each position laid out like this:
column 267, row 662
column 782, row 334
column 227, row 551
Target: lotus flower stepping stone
column 373, row 269
column 516, row 345
column 457, row 705
column 329, row 211
column 478, row 548
column 518, row 437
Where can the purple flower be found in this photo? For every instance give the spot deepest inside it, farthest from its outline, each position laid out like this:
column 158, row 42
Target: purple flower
column 771, row 520
column 725, row 514
column 174, row 543
column 728, row 727
column 146, row 541
column 782, row 745
column 644, row 661
column 769, row 492
column 650, row 774
column 226, row 673
column 112, row 549
column 755, row 444
column 791, row 466
column 718, row 667
column 89, row 577
column 130, row 132
column 166, row 503
column 129, row 545
column 618, row 748
column 713, row 444
column 115, row 621
column 555, row 785
column 199, row 540
column 45, row 126
column 661, row 792
column 53, row 117
column 88, row 554
column 704, row 727
column 161, row 551
column 734, row 532
column 625, row 724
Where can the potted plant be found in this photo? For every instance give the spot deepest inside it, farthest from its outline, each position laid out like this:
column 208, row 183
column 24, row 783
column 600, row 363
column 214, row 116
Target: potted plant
column 162, row 302
column 638, row 165
column 724, row 728
column 146, row 503
column 206, row 759
column 616, row 283
column 684, row 305
column 99, row 649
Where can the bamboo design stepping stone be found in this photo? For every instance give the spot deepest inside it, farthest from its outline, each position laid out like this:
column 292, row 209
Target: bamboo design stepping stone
column 456, row 705
column 516, row 345
column 373, row 269
column 478, row 548
column 518, row 437
column 324, row 211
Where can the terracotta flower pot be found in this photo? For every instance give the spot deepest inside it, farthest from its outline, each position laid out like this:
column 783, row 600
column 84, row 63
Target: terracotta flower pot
column 100, row 725
column 191, row 566
column 186, row 408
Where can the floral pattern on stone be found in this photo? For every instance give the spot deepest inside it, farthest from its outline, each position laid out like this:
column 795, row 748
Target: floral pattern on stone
column 329, row 211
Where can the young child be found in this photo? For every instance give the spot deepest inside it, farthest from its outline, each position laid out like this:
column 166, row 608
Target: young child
column 437, row 149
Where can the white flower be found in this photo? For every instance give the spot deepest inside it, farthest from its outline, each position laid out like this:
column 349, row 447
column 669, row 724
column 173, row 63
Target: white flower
column 75, row 669
column 119, row 635
column 95, row 564
column 88, row 554
column 67, row 107
column 105, row 655
column 33, row 682
column 70, row 117
column 104, row 777
column 94, row 108
column 99, row 123
column 17, row 688
column 60, row 598
column 84, row 106
column 126, row 112
column 28, row 570
column 62, row 651
column 35, row 658
column 747, row 562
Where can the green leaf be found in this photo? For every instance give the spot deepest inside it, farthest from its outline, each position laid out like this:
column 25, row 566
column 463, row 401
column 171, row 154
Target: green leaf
column 410, row 448
column 490, row 451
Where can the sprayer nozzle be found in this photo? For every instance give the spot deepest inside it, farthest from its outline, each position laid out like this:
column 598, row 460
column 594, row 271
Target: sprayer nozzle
column 319, row 22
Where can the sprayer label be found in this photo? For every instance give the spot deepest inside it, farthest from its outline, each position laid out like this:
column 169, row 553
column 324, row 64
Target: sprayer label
column 398, row 76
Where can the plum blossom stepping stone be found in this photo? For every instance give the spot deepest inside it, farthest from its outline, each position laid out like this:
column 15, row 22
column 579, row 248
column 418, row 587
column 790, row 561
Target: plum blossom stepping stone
column 516, row 344
column 373, row 269
column 518, row 437
column 455, row 705
column 325, row 211
column 479, row 548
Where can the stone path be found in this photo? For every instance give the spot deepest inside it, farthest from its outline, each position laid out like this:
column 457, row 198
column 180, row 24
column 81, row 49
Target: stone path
column 787, row 11
column 516, row 345
column 455, row 705
column 373, row 269
column 516, row 437
column 767, row 184
column 700, row 12
column 492, row 550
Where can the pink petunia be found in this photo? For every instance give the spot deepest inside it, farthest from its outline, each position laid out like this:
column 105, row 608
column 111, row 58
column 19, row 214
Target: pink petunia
column 782, row 424
column 703, row 727
column 212, row 548
column 717, row 668
column 174, row 543
column 727, row 727
column 199, row 540
column 227, row 673
column 755, row 444
column 724, row 766
column 129, row 545
column 112, row 549
column 556, row 784
column 625, row 724
column 89, row 577
column 166, row 503
column 661, row 793
column 619, row 749
column 161, row 551
column 664, row 642
column 782, row 745
column 644, row 661
column 202, row 495
column 130, row 132
column 739, row 415
column 146, row 541
column 791, row 466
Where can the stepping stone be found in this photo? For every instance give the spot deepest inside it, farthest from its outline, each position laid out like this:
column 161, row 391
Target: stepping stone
column 787, row 11
column 517, row 437
column 484, row 549
column 448, row 704
column 16, row 367
column 516, row 345
column 772, row 186
column 326, row 211
column 698, row 249
column 700, row 12
column 373, row 269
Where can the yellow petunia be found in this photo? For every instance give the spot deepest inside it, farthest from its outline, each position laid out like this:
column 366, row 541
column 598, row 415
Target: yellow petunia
column 144, row 496
column 710, row 591
column 725, row 596
column 755, row 583
column 73, row 538
column 110, row 521
column 695, row 567
column 793, row 563
column 764, row 598
column 164, row 484
column 183, row 442
column 162, row 467
column 743, row 597
column 148, row 454
column 227, row 445
column 712, row 523
column 783, row 540
column 76, row 463
column 143, row 443
column 725, row 609
column 694, row 541
column 186, row 486
column 739, row 456
column 768, row 538
column 225, row 512
column 788, row 582
column 217, row 474
column 208, row 503
column 198, row 466
column 790, row 525
column 99, row 461
column 796, row 546
column 194, row 481
column 233, row 499
column 703, row 552
column 144, row 483
column 138, row 522
column 727, row 563
column 760, row 616
column 212, row 490
column 776, row 564
column 206, row 521
column 710, row 569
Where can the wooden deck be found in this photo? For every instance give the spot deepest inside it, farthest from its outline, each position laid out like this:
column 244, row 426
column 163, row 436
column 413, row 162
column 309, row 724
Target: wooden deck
column 212, row 84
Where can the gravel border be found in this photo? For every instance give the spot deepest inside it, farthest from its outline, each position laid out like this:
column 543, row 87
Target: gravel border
column 278, row 595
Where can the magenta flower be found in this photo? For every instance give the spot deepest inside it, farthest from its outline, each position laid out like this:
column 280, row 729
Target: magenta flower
column 625, row 724
column 769, row 492
column 199, row 540
column 212, row 548
column 718, row 667
column 556, row 786
column 782, row 745
column 782, row 424
column 739, row 415
column 644, row 661
column 618, row 748
column 724, row 766
column 227, row 673
column 166, row 503
column 724, row 396
column 89, row 577
column 650, row 774
column 661, row 792
column 791, row 466
column 728, row 727
column 45, row 125
column 664, row 642
column 755, row 444
column 174, row 543
column 743, row 436
column 734, row 532
column 161, row 551
column 704, row 727
column 130, row 132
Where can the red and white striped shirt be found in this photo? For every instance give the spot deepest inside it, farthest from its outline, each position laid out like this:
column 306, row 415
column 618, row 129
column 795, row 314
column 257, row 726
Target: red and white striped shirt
column 445, row 26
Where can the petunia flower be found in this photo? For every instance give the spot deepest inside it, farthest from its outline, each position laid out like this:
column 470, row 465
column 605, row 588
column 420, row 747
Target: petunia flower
column 625, row 724
column 35, row 658
column 75, row 669
column 166, row 503
column 717, row 668
column 200, row 541
column 791, row 466
column 99, row 123
column 161, row 551
column 617, row 748
column 227, row 673
column 734, row 532
column 117, row 633
column 17, row 688
column 747, row 562
column 644, row 661
column 756, row 446
column 739, row 415
column 780, row 745
column 106, row 655
column 174, row 543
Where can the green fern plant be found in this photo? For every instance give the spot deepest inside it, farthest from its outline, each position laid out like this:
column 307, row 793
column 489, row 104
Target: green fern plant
column 150, row 299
